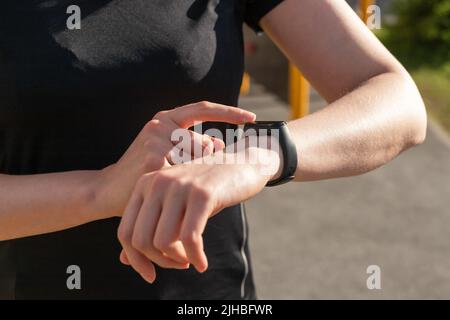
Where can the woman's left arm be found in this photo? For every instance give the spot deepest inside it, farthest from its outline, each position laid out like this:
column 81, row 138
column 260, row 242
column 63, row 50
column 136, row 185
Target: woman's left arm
column 375, row 112
column 375, row 109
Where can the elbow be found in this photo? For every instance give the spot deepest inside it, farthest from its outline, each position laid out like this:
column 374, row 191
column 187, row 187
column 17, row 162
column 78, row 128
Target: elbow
column 419, row 131
column 414, row 115
column 418, row 114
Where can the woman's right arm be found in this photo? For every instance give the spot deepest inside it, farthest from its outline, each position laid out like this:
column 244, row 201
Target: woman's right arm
column 43, row 203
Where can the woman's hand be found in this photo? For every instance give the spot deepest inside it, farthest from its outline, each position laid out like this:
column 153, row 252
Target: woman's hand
column 168, row 210
column 150, row 150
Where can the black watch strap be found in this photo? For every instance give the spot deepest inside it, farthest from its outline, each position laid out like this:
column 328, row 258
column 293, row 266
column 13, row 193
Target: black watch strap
column 287, row 147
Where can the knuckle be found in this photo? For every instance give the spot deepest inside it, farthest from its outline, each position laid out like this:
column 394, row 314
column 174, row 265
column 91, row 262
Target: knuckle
column 123, row 234
column 177, row 184
column 143, row 180
column 152, row 125
column 202, row 138
column 155, row 130
column 208, row 143
column 139, row 243
column 205, row 105
column 200, row 192
column 189, row 238
column 153, row 162
column 161, row 244
column 161, row 114
column 162, row 178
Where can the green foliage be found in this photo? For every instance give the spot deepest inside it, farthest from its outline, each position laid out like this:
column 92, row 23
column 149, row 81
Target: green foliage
column 434, row 87
column 420, row 36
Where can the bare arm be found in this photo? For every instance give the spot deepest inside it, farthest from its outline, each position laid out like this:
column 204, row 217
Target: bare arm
column 43, row 203
column 375, row 112
column 375, row 109
column 34, row 204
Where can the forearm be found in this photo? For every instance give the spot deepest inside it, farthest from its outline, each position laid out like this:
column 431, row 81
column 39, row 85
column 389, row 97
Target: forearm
column 360, row 131
column 43, row 203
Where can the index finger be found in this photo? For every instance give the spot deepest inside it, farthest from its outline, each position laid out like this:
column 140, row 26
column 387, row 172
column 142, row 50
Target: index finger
column 186, row 116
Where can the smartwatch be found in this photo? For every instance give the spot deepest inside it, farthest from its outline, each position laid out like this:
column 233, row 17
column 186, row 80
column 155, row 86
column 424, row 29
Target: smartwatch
column 279, row 130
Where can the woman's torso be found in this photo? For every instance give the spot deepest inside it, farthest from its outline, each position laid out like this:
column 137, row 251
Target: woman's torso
column 75, row 99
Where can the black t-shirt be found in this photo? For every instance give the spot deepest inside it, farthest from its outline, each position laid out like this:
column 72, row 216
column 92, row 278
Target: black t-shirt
column 76, row 99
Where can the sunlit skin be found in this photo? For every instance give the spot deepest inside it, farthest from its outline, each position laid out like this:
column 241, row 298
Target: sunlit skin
column 42, row 203
column 374, row 112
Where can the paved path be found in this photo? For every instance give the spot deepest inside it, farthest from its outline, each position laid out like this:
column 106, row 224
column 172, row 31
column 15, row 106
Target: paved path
column 316, row 239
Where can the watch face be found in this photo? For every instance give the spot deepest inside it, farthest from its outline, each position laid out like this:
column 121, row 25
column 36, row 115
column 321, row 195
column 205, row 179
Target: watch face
column 263, row 128
column 265, row 124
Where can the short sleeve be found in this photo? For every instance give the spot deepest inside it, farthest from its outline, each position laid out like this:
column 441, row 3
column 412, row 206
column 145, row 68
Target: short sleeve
column 255, row 10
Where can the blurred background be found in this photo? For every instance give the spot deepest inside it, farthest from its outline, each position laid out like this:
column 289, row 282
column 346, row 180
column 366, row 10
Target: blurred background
column 315, row 240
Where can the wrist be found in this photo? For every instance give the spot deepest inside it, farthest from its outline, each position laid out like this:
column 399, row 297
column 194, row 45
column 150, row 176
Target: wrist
column 99, row 194
column 85, row 196
column 275, row 135
column 267, row 161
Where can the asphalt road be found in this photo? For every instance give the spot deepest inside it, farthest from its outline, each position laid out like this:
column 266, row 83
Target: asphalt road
column 315, row 240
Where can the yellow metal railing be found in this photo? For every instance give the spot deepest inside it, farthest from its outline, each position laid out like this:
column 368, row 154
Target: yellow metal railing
column 298, row 85
column 245, row 86
column 298, row 93
column 363, row 5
